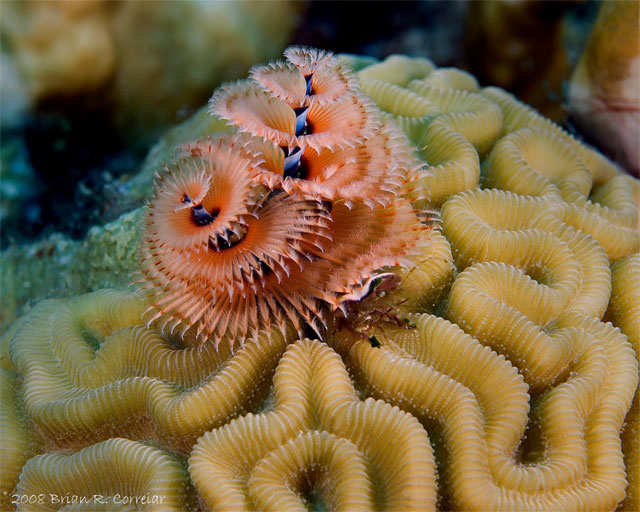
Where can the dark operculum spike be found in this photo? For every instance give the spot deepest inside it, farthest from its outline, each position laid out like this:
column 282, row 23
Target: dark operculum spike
column 201, row 216
column 292, row 163
column 272, row 194
column 224, row 242
column 311, row 332
column 301, row 120
column 307, row 79
column 265, row 269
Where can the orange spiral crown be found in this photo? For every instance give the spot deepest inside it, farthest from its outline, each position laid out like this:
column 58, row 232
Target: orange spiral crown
column 282, row 223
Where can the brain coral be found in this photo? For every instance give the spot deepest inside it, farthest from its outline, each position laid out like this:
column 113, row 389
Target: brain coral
column 491, row 364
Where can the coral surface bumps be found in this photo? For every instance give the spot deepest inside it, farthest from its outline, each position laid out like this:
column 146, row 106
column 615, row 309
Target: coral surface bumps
column 479, row 375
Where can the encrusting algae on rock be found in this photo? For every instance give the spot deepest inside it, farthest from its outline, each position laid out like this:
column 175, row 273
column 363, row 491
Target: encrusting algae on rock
column 463, row 368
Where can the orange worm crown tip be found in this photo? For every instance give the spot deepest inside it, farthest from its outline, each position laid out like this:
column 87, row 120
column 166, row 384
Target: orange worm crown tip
column 288, row 218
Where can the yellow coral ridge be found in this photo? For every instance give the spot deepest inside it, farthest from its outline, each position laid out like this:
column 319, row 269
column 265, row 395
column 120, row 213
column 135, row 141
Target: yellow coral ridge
column 408, row 109
column 451, row 78
column 631, row 448
column 611, row 218
column 313, row 394
column 537, row 162
column 517, row 115
column 87, row 376
column 624, row 308
column 425, row 284
column 494, row 225
column 624, row 311
column 18, row 440
column 467, row 113
column 109, row 475
column 441, row 113
column 506, row 309
column 481, row 403
column 398, row 69
column 415, row 104
column 533, row 161
column 313, row 460
column 604, row 422
column 453, row 166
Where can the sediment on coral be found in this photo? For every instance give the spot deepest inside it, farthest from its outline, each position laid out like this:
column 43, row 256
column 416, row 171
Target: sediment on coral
column 491, row 364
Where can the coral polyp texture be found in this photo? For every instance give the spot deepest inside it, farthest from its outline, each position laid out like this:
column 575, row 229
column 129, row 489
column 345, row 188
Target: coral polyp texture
column 489, row 364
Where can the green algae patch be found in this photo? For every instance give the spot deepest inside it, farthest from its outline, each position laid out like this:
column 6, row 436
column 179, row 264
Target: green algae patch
column 60, row 267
